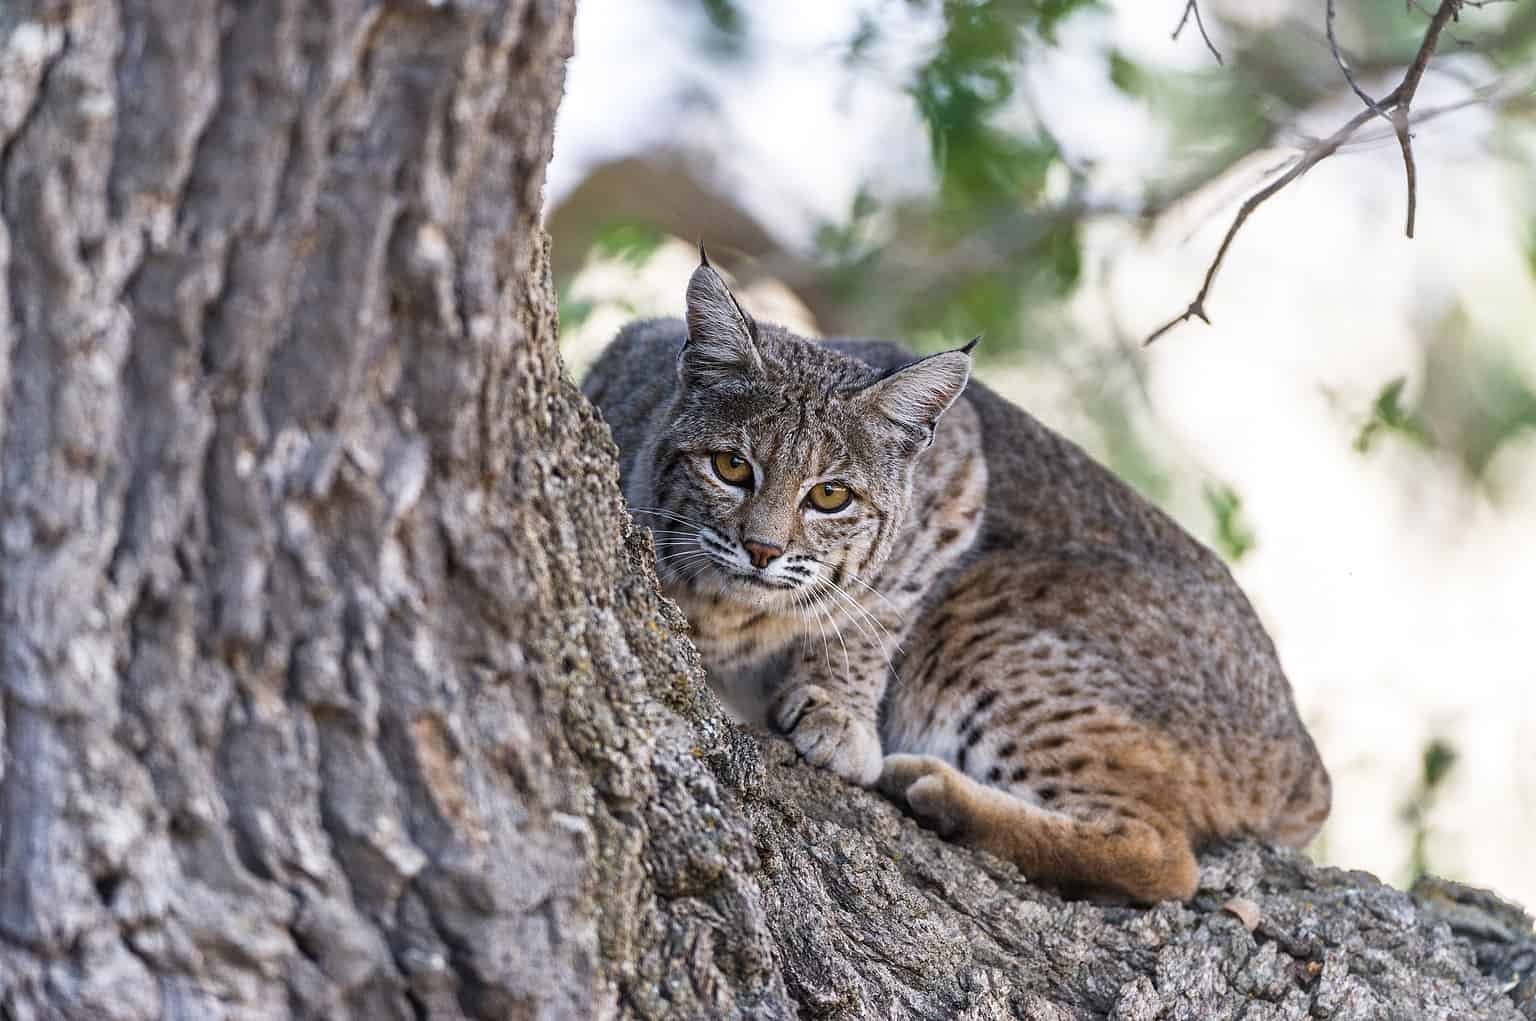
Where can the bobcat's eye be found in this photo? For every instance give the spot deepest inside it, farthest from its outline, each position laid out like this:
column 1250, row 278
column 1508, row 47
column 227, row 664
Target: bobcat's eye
column 829, row 497
column 732, row 468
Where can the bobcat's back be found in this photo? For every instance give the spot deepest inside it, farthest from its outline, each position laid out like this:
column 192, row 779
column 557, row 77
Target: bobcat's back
column 1092, row 659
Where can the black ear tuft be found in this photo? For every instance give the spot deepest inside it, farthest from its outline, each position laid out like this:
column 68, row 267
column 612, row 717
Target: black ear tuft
column 722, row 338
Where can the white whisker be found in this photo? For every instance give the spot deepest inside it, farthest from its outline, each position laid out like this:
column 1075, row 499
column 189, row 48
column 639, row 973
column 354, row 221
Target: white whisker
column 678, row 559
column 876, row 621
column 826, row 647
column 855, row 578
column 695, row 572
column 873, row 639
column 662, row 512
column 876, row 591
column 861, row 608
column 676, row 554
column 847, row 660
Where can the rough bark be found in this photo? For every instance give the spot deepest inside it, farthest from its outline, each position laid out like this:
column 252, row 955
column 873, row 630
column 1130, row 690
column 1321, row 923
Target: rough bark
column 333, row 679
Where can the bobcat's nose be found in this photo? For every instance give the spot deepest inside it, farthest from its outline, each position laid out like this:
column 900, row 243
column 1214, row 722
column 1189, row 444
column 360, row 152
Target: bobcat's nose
column 762, row 553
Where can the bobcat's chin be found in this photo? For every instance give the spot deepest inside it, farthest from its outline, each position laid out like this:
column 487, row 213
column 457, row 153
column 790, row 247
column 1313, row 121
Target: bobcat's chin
column 757, row 592
column 727, row 583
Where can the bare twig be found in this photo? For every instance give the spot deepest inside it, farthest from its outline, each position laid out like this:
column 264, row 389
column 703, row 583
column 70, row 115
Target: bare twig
column 1396, row 103
column 1448, row 10
column 1193, row 7
column 1418, row 5
column 1349, row 75
column 1315, row 154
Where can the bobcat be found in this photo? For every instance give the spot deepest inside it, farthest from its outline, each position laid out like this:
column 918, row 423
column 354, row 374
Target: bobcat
column 928, row 591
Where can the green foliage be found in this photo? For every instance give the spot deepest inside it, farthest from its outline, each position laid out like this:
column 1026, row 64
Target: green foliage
column 630, row 240
column 967, row 83
column 1125, row 451
column 1478, row 393
column 1063, row 250
column 1215, row 116
column 1499, row 405
column 863, row 40
column 847, row 252
column 1051, row 13
column 1394, row 32
column 724, row 16
column 1476, row 398
column 1530, row 247
column 986, row 302
column 1438, row 759
column 1388, row 414
column 842, row 244
column 1126, row 75
column 1514, row 45
column 572, row 311
column 991, row 168
column 727, row 32
column 1234, row 538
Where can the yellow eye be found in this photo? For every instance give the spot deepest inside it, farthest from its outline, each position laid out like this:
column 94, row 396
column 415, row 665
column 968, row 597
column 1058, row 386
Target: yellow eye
column 732, row 467
column 830, row 496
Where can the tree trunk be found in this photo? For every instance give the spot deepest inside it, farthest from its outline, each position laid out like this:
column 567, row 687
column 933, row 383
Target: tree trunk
column 335, row 682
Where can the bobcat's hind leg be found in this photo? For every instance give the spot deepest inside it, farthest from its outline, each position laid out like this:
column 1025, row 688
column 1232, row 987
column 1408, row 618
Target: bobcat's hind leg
column 1144, row 857
column 921, row 783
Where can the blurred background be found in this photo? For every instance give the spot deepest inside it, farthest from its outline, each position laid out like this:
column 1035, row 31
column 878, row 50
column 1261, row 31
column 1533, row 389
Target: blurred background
column 1355, row 432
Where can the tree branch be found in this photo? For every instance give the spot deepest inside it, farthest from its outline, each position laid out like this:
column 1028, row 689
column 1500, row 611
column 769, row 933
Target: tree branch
column 1349, row 76
column 1193, row 7
column 1447, row 11
column 1397, row 104
column 1315, row 154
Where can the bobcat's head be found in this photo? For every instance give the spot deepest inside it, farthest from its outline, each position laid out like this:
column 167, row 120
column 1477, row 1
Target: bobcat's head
column 785, row 468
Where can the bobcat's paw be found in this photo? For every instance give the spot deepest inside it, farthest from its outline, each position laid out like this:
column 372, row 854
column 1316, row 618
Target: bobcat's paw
column 929, row 787
column 827, row 735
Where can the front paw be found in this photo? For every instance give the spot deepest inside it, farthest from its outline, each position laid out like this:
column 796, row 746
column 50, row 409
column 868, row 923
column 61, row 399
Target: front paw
column 827, row 735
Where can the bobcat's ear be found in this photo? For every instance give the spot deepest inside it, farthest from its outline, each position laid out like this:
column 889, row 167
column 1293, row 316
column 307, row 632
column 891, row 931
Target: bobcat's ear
column 722, row 338
column 915, row 395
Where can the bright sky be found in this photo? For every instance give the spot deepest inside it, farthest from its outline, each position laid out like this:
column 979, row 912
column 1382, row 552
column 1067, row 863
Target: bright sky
column 1403, row 602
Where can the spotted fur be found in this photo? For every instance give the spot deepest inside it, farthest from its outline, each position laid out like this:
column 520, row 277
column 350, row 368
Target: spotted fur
column 1003, row 636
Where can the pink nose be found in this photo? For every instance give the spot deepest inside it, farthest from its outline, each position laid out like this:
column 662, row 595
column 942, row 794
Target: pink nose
column 762, row 553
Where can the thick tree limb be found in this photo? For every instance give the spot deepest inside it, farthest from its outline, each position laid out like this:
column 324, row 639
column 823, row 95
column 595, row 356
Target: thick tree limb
column 1395, row 107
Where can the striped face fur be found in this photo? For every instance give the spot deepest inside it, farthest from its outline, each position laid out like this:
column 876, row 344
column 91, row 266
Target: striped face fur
column 784, row 469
